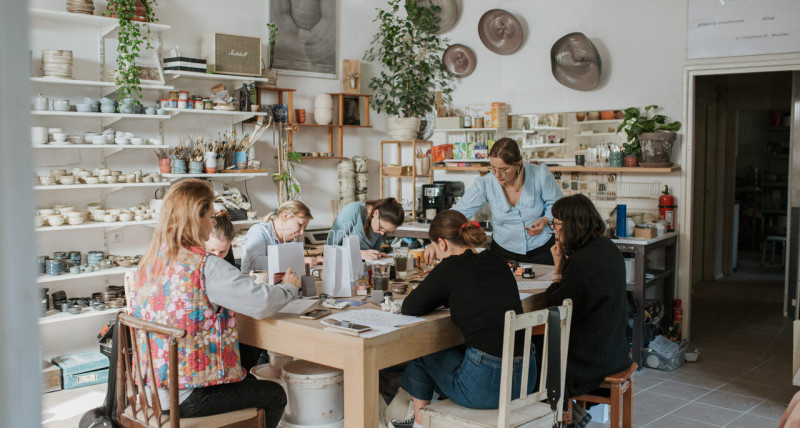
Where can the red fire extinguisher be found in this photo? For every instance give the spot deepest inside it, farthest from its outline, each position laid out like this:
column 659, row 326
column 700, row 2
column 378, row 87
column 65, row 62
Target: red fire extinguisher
column 666, row 209
column 677, row 319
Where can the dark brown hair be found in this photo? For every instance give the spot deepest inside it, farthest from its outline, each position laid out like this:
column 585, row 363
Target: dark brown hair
column 508, row 151
column 581, row 222
column 454, row 227
column 388, row 209
column 223, row 228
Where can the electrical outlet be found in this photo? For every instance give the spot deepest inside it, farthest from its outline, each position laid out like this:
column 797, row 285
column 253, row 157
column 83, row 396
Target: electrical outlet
column 115, row 237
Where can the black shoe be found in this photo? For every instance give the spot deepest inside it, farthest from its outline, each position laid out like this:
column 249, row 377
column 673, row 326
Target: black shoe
column 407, row 423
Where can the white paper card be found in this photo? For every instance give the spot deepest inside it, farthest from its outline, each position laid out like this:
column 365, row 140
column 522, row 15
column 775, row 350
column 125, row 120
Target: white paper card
column 297, row 306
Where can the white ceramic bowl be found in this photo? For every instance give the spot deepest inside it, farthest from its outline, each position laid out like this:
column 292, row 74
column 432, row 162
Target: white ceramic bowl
column 109, row 218
column 122, row 141
column 128, row 135
column 91, row 180
column 125, row 216
column 66, row 210
column 75, row 139
column 115, row 211
column 67, row 179
column 103, row 171
column 99, row 140
column 76, row 220
column 111, row 179
column 137, row 141
column 139, row 217
column 46, row 212
column 94, row 206
column 59, row 137
column 55, row 220
column 47, row 180
column 58, row 172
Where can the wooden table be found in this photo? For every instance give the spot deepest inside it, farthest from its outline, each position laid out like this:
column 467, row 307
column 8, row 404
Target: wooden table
column 358, row 357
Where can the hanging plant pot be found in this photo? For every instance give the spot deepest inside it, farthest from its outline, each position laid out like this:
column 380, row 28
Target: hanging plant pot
column 657, row 148
column 140, row 14
column 631, row 160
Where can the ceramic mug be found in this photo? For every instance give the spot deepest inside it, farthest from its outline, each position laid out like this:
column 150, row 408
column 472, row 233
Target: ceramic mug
column 260, row 276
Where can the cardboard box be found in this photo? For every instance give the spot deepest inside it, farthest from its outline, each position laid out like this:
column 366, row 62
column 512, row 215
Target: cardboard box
column 51, row 377
column 449, row 122
column 82, row 369
column 644, row 232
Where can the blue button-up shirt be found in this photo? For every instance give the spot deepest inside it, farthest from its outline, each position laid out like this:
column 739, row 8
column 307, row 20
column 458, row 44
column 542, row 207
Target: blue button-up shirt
column 350, row 221
column 539, row 192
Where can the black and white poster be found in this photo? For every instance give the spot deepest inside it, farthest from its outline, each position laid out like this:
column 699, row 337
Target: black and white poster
column 306, row 44
column 722, row 28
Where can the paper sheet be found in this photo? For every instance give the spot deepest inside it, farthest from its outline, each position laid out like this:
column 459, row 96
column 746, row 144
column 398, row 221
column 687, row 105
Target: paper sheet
column 523, row 296
column 532, row 284
column 297, row 306
column 376, row 318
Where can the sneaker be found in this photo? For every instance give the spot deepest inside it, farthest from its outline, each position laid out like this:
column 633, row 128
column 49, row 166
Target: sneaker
column 406, row 423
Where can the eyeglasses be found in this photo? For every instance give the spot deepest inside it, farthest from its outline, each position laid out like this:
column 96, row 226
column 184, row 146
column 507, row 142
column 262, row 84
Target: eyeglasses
column 554, row 223
column 499, row 171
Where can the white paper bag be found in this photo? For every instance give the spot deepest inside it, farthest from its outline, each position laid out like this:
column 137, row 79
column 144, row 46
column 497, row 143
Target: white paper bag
column 336, row 271
column 353, row 250
column 284, row 256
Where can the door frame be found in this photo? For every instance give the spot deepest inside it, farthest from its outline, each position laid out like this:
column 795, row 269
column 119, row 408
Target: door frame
column 690, row 72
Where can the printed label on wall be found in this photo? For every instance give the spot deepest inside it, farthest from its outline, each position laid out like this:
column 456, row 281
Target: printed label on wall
column 721, row 28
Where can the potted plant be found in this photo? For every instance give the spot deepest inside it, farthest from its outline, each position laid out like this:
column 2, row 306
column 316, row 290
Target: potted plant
column 132, row 37
column 410, row 55
column 650, row 137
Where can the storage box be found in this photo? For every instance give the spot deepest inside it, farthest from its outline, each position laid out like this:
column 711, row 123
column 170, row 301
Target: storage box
column 182, row 63
column 231, row 54
column 644, row 232
column 442, row 152
column 51, row 377
column 499, row 115
column 82, row 369
column 449, row 122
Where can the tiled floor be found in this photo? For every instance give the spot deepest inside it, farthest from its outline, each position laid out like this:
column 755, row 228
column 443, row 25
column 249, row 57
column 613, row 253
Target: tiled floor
column 742, row 380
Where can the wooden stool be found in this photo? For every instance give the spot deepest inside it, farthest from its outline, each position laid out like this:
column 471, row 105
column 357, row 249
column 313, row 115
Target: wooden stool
column 621, row 400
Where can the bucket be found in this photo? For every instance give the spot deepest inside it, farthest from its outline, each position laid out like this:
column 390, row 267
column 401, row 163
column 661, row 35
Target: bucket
column 284, row 424
column 315, row 393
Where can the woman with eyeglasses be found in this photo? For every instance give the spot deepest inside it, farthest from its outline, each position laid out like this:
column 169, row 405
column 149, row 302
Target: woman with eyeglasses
column 520, row 196
column 369, row 221
column 283, row 224
column 589, row 269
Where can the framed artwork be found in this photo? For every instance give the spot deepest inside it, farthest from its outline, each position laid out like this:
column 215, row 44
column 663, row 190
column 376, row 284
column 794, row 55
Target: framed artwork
column 351, row 114
column 306, row 44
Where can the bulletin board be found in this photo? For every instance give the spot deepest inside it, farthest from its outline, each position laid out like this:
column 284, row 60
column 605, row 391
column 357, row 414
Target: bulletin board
column 723, row 28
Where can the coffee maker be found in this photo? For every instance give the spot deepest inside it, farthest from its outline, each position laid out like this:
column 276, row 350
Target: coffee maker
column 440, row 196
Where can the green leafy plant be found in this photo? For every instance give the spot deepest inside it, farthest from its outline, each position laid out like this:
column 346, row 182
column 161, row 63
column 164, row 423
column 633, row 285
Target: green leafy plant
column 410, row 54
column 636, row 122
column 132, row 37
column 273, row 38
column 290, row 187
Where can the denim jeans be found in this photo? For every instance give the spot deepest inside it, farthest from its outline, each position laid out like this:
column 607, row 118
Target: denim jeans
column 213, row 400
column 471, row 378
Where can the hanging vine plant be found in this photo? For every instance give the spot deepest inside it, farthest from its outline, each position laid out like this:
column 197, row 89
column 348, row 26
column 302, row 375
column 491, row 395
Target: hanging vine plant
column 134, row 34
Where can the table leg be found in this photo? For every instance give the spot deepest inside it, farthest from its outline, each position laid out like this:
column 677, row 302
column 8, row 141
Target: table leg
column 638, row 297
column 361, row 393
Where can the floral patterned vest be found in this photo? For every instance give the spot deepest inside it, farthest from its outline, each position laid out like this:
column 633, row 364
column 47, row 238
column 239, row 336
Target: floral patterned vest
column 175, row 295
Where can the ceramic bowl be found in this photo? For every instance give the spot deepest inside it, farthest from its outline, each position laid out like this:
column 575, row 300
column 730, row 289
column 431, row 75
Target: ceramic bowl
column 47, row 180
column 84, row 108
column 91, row 180
column 125, row 216
column 76, row 220
column 38, row 221
column 75, row 139
column 67, row 179
column 94, row 206
column 116, row 173
column 46, row 212
column 122, row 141
column 103, row 171
column 115, row 211
column 137, row 141
column 55, row 220
column 58, row 172
column 108, row 108
column 139, row 217
column 66, row 209
column 109, row 218
column 111, row 179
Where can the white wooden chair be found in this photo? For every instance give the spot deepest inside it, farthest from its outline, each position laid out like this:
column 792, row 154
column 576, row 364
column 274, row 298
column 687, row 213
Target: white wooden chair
column 528, row 410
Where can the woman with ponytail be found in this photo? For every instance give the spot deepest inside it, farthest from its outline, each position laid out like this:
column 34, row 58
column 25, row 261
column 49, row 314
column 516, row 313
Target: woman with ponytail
column 479, row 288
column 283, row 224
column 221, row 236
column 369, row 221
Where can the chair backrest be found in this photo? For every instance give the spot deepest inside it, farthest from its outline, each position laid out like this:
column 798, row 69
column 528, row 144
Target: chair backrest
column 526, row 322
column 130, row 379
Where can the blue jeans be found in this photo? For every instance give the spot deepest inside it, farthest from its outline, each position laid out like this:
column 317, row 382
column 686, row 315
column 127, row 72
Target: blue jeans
column 471, row 379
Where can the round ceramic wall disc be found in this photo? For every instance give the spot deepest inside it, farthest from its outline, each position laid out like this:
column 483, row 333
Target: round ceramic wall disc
column 459, row 60
column 500, row 31
column 575, row 62
column 448, row 13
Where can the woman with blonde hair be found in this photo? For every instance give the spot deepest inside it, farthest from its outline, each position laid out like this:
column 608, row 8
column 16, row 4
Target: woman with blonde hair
column 283, row 224
column 520, row 196
column 479, row 288
column 180, row 284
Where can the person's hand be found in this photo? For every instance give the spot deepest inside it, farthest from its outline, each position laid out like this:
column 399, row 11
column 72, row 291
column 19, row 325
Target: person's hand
column 557, row 251
column 313, row 261
column 430, row 255
column 291, row 278
column 537, row 227
column 373, row 255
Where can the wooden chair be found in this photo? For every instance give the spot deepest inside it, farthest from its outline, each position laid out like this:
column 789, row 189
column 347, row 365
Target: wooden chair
column 528, row 410
column 132, row 407
column 620, row 401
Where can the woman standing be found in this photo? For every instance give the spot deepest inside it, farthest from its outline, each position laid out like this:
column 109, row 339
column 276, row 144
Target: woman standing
column 283, row 224
column 468, row 375
column 589, row 269
column 520, row 196
column 181, row 285
column 369, row 221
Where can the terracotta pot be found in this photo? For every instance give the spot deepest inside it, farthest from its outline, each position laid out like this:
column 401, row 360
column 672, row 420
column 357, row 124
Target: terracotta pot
column 657, row 148
column 607, row 114
column 211, row 170
column 164, row 166
column 140, row 14
column 631, row 160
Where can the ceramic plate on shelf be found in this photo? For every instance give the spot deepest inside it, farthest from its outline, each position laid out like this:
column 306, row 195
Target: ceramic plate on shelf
column 500, row 31
column 459, row 60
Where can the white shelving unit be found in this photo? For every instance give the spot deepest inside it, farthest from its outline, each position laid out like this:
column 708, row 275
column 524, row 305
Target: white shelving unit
column 98, row 186
column 226, row 177
column 95, row 225
column 44, row 279
column 100, row 146
column 93, row 84
column 56, row 317
column 173, row 74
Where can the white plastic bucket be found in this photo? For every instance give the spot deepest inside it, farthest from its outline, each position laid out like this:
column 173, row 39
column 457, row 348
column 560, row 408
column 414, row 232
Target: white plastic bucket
column 284, row 424
column 315, row 394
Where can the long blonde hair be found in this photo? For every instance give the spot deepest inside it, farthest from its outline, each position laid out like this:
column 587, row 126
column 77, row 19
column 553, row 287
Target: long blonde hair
column 186, row 202
column 297, row 208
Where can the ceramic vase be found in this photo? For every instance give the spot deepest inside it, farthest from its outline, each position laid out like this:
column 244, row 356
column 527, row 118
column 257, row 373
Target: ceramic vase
column 164, row 166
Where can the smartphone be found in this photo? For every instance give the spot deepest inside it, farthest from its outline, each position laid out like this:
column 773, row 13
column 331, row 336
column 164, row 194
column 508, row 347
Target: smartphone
column 316, row 313
column 347, row 325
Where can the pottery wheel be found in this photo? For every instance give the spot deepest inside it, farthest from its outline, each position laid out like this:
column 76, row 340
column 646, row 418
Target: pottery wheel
column 459, row 60
column 575, row 62
column 500, row 31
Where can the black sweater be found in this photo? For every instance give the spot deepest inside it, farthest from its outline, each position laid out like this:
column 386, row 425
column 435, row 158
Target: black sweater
column 594, row 278
column 479, row 288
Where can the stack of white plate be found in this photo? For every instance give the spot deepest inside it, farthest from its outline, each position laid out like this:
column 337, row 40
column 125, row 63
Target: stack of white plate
column 57, row 63
column 80, row 6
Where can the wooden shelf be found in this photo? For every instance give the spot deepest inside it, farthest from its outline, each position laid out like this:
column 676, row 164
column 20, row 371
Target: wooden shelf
column 323, row 157
column 633, row 170
column 465, row 130
column 461, row 168
column 398, row 146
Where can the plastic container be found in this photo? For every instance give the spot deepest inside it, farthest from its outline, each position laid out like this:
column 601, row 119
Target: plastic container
column 315, row 394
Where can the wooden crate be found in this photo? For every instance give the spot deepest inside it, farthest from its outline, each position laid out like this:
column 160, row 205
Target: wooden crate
column 51, row 377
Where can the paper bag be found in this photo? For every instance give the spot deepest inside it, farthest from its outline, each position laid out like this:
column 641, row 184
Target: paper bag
column 284, row 256
column 353, row 250
column 336, row 272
